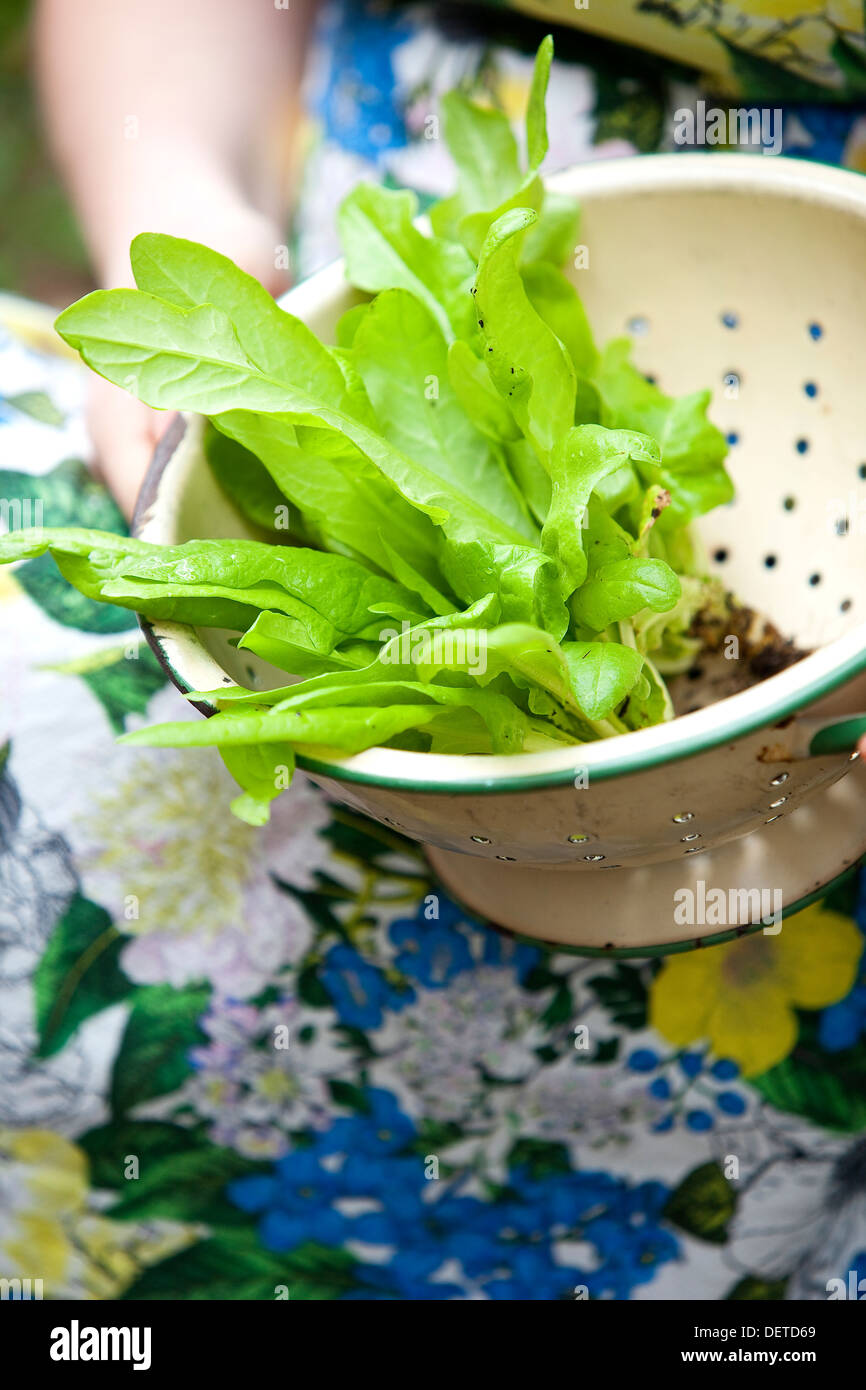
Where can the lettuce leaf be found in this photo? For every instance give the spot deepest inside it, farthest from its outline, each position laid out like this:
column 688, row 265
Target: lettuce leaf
column 490, row 547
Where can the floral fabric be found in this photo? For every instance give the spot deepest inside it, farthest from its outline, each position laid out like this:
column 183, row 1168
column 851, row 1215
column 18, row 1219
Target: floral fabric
column 252, row 1064
column 754, row 46
column 378, row 73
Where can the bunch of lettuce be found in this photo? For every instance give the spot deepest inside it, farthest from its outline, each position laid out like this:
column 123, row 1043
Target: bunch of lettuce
column 490, row 547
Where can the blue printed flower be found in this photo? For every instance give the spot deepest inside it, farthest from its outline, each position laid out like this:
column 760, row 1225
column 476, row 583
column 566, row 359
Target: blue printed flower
column 700, row 1089
column 383, row 1129
column 843, row 1024
column 643, row 1059
column 433, row 951
column 358, row 103
column 817, row 132
column 510, row 1248
column 361, row 992
column 295, row 1203
column 501, row 950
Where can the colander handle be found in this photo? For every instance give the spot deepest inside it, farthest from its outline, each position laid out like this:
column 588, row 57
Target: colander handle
column 824, row 736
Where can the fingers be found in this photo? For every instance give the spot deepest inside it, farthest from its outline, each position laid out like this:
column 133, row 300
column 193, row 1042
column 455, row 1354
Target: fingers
column 124, row 434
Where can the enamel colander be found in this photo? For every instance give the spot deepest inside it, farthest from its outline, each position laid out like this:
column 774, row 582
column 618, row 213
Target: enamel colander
column 741, row 273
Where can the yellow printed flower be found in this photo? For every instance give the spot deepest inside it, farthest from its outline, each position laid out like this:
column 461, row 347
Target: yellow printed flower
column 51, row 1230
column 742, row 996
column 777, row 9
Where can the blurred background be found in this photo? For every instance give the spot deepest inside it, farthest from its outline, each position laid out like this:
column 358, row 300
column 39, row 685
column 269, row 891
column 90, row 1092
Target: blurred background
column 41, row 252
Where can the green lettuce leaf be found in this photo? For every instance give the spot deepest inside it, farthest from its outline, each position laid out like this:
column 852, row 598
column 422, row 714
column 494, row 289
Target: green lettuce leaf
column 529, row 365
column 602, row 674
column 583, row 458
column 385, row 251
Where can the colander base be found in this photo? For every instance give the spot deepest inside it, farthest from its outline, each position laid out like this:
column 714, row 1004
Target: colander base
column 746, row 885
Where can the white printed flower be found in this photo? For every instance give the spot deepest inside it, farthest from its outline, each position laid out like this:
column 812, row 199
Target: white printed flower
column 194, row 886
column 436, row 1053
column 264, row 1074
column 801, row 1213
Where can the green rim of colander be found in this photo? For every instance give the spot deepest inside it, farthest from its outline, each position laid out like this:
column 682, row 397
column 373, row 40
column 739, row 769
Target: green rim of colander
column 837, row 738
column 626, row 762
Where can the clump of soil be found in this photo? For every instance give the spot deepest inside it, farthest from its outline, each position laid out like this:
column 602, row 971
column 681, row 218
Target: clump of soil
column 725, row 668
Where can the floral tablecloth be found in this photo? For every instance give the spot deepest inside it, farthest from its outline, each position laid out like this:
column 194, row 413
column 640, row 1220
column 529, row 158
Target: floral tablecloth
column 255, row 1064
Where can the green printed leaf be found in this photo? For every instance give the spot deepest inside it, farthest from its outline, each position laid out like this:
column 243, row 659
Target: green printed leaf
column 703, row 1204
column 38, row 405
column 184, row 1185
column 123, row 679
column 79, row 973
column 234, row 1266
column 153, row 1057
column 828, row 1091
column 152, row 1142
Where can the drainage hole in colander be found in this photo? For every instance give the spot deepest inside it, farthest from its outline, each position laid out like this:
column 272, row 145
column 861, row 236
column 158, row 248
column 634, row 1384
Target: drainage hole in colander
column 731, row 381
column 861, row 471
column 720, row 556
column 729, row 319
column 771, row 819
column 638, row 325
column 593, row 858
column 695, row 835
column 842, row 526
column 815, row 331
column 845, row 605
column 802, row 446
column 780, row 802
column 696, row 849
column 814, row 579
column 811, row 389
column 777, row 781
column 853, row 757
column 789, row 503
column 509, row 858
column 683, row 816
column 479, row 839
column 732, row 437
column 252, row 676
column 770, row 561
column 577, row 839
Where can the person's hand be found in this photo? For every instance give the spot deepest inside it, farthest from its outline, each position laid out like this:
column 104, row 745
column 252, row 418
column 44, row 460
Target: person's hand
column 123, row 431
column 177, row 118
column 123, row 435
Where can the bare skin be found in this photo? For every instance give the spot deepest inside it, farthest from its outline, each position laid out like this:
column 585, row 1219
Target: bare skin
column 172, row 116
